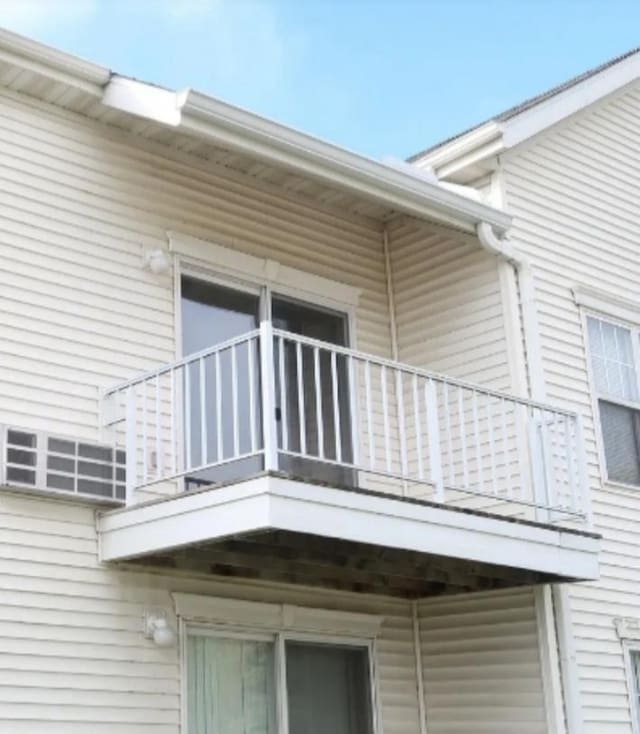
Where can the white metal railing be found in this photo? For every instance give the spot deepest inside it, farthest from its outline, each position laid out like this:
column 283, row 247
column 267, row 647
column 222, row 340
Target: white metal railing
column 279, row 401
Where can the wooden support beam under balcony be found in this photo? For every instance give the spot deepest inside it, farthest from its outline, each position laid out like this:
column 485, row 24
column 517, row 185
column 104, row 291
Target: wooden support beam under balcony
column 279, row 528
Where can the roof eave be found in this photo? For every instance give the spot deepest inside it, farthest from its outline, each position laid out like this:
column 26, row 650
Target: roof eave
column 220, row 123
column 501, row 134
column 57, row 66
column 460, row 146
column 267, row 140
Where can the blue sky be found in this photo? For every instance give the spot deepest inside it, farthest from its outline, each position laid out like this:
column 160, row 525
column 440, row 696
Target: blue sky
column 381, row 77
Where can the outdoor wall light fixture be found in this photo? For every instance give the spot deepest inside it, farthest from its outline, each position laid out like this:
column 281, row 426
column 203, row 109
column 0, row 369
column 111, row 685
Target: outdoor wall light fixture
column 157, row 628
column 157, row 261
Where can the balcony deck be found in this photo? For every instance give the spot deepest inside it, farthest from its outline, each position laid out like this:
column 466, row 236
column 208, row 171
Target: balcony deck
column 296, row 442
column 281, row 528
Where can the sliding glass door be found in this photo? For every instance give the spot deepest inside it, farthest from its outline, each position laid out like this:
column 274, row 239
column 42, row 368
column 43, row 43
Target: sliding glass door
column 260, row 685
column 214, row 313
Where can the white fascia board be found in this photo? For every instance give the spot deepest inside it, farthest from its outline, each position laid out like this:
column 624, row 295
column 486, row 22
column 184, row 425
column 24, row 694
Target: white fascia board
column 51, row 63
column 572, row 100
column 223, row 124
column 426, row 529
column 239, row 130
column 184, row 520
column 489, row 132
column 494, row 137
column 282, row 504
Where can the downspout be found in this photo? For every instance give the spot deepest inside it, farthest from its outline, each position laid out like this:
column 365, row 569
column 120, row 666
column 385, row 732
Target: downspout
column 505, row 250
column 393, row 334
column 391, row 299
column 419, row 675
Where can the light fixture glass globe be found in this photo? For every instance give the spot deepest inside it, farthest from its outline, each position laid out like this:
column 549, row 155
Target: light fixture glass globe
column 163, row 635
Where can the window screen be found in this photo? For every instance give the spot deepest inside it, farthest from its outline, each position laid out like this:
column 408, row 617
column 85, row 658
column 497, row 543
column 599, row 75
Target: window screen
column 615, row 373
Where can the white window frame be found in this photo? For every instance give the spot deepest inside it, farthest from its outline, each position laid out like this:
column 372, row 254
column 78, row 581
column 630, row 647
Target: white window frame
column 596, row 396
column 631, row 648
column 279, row 637
column 209, row 273
column 236, row 269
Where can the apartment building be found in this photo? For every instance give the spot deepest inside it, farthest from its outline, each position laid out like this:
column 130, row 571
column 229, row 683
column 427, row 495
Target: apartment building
column 565, row 166
column 275, row 456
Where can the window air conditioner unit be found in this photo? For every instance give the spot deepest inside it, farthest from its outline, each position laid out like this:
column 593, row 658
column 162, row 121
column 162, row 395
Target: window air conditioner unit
column 43, row 462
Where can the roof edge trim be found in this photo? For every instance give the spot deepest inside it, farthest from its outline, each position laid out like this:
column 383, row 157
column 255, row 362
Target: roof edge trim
column 410, row 193
column 50, row 62
column 531, row 121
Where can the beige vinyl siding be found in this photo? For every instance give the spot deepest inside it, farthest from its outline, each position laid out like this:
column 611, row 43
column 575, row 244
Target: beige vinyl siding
column 450, row 311
column 80, row 203
column 574, row 191
column 72, row 654
column 448, row 304
column 481, row 665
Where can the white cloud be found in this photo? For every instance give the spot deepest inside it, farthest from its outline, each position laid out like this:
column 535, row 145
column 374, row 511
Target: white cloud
column 34, row 16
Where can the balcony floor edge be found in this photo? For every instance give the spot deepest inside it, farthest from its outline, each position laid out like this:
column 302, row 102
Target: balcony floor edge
column 271, row 502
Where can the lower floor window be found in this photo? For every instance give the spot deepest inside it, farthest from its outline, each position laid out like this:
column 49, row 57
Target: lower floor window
column 244, row 686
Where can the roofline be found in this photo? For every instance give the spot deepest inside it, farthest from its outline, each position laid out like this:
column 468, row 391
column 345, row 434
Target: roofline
column 51, row 63
column 507, row 133
column 210, row 119
column 410, row 193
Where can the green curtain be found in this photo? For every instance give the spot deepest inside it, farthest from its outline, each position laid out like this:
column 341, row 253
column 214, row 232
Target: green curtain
column 230, row 686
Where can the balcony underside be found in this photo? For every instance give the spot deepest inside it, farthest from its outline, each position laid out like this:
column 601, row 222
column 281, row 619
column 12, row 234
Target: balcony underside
column 278, row 528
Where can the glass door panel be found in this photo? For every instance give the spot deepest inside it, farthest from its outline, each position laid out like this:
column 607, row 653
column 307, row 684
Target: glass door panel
column 328, row 689
column 230, row 686
column 212, row 314
column 328, row 326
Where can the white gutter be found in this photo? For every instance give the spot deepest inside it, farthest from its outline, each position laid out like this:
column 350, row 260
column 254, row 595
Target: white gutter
column 459, row 147
column 417, row 648
column 504, row 249
column 222, row 124
column 51, row 64
column 391, row 299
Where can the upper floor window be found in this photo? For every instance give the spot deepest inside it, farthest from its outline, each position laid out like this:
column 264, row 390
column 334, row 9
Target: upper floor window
column 615, row 361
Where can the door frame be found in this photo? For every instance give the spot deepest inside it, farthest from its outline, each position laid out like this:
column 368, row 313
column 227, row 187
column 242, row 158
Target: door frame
column 185, row 266
column 279, row 637
column 208, row 272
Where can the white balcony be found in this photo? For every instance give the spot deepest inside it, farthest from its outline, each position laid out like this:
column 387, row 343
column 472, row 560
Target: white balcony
column 286, row 439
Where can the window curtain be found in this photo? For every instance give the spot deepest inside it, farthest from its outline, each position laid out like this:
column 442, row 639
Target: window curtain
column 230, row 686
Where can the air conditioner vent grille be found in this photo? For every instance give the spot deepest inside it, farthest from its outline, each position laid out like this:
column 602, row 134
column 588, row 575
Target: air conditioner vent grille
column 58, row 464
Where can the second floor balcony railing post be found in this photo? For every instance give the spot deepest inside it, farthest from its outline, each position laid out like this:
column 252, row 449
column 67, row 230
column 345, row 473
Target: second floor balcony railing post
column 268, row 391
column 584, row 496
column 131, row 440
column 433, row 427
